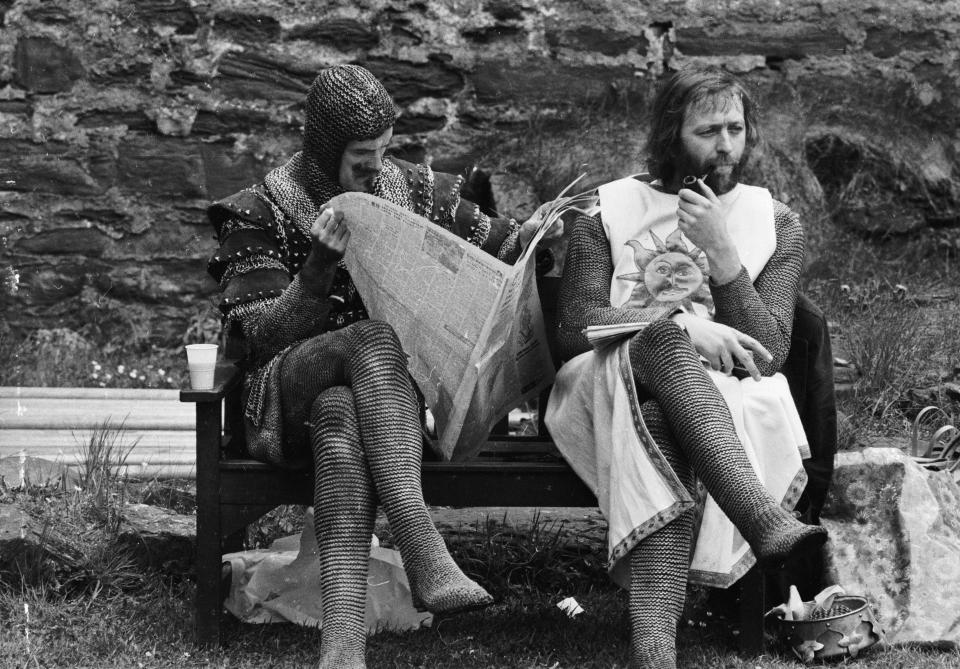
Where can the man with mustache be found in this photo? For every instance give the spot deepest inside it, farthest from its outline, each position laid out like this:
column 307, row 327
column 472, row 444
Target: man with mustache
column 695, row 394
column 325, row 386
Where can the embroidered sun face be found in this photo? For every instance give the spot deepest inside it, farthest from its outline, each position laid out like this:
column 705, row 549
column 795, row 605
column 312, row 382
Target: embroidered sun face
column 669, row 272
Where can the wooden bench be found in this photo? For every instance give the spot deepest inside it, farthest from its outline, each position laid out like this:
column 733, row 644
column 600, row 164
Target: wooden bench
column 520, row 471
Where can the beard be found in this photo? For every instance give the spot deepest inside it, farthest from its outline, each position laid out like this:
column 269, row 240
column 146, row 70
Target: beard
column 365, row 178
column 723, row 175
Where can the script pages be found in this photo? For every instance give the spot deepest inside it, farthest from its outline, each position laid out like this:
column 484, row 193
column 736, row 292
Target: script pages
column 470, row 324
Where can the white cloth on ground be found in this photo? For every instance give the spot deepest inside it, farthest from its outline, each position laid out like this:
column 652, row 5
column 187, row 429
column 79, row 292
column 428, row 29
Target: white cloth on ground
column 282, row 583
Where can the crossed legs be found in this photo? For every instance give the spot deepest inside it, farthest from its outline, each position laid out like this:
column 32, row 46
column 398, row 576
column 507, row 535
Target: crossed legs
column 693, row 428
column 353, row 389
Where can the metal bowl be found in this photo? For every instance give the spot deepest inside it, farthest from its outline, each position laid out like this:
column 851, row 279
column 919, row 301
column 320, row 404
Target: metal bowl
column 846, row 629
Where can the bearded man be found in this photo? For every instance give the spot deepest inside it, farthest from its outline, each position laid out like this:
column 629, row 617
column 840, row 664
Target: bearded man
column 708, row 270
column 325, row 386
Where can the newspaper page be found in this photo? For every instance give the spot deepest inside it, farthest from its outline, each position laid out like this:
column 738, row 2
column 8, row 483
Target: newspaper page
column 470, row 324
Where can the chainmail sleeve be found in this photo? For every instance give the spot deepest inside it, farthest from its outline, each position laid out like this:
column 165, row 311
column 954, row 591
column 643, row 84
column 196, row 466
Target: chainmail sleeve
column 585, row 289
column 764, row 309
column 497, row 235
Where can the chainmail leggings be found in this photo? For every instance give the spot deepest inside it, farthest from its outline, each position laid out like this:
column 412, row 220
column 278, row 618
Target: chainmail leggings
column 691, row 424
column 347, row 397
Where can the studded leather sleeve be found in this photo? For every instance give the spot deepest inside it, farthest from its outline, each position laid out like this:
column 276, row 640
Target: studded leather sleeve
column 437, row 196
column 764, row 308
column 259, row 296
column 585, row 289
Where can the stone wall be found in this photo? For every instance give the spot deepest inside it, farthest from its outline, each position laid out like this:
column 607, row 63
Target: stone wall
column 121, row 119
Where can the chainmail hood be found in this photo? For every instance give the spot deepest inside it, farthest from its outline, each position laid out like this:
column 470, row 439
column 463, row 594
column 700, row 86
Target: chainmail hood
column 345, row 103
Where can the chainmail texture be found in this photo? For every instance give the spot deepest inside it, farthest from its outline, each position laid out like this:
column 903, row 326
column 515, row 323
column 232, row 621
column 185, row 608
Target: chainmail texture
column 688, row 417
column 763, row 309
column 659, row 565
column 345, row 103
column 341, row 482
column 367, row 358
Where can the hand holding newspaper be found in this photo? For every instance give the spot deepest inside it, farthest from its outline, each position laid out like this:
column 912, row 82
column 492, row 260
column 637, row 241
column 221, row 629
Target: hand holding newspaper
column 470, row 324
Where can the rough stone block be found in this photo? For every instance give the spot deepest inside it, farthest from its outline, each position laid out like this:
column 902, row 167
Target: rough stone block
column 133, row 120
column 26, row 471
column 43, row 66
column 246, row 28
column 160, row 281
column 778, row 40
column 888, row 41
column 228, row 171
column 83, row 241
column 156, row 168
column 342, row 33
column 49, row 285
column 410, row 81
column 252, row 76
column 229, row 120
column 895, row 539
column 20, row 547
column 532, row 82
column 177, row 14
column 158, row 538
column 48, row 168
column 597, row 39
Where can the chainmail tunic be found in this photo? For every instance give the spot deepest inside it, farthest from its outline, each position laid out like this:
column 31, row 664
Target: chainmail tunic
column 762, row 309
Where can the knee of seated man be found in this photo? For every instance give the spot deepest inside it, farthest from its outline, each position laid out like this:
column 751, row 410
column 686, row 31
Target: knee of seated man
column 332, row 408
column 376, row 332
column 659, row 332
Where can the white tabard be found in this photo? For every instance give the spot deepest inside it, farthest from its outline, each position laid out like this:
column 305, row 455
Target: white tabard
column 593, row 414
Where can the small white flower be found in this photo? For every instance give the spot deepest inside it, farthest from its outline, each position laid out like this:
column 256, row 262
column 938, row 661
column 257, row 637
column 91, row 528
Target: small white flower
column 161, row 372
column 121, row 369
column 133, row 374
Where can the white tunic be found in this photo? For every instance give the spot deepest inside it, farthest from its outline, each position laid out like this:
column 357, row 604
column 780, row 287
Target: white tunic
column 593, row 414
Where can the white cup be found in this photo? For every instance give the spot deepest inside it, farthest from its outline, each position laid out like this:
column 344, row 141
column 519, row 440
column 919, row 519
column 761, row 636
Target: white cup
column 202, row 361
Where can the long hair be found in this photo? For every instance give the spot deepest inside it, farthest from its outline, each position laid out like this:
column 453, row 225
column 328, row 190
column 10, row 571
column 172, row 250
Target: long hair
column 682, row 90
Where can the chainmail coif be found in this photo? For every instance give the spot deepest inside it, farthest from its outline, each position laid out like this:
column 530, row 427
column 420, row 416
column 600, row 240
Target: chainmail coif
column 345, row 103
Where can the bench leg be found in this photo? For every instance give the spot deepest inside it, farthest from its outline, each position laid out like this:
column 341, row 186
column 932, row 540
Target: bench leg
column 750, row 610
column 209, row 598
column 208, row 561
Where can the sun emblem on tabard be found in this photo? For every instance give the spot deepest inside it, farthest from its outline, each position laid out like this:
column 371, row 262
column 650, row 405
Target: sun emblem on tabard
column 669, row 272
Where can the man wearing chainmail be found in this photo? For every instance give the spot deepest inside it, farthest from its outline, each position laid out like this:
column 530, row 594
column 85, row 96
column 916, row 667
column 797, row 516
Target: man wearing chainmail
column 709, row 270
column 324, row 383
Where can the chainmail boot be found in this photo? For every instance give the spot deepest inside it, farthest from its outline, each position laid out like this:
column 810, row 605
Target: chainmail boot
column 666, row 364
column 344, row 508
column 391, row 435
column 659, row 566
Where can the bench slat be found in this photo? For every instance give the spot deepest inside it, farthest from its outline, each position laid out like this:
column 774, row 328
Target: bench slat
column 474, row 483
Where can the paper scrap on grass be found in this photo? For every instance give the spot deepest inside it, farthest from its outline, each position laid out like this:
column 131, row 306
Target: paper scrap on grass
column 570, row 606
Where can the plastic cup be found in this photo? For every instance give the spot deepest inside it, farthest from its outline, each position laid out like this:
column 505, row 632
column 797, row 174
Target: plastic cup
column 201, row 361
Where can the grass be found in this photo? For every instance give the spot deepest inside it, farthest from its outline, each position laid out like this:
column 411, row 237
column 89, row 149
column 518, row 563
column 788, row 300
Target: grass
column 150, row 626
column 82, row 601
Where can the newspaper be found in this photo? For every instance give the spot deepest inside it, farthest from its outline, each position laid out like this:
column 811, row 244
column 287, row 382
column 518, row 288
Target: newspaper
column 601, row 336
column 470, row 324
